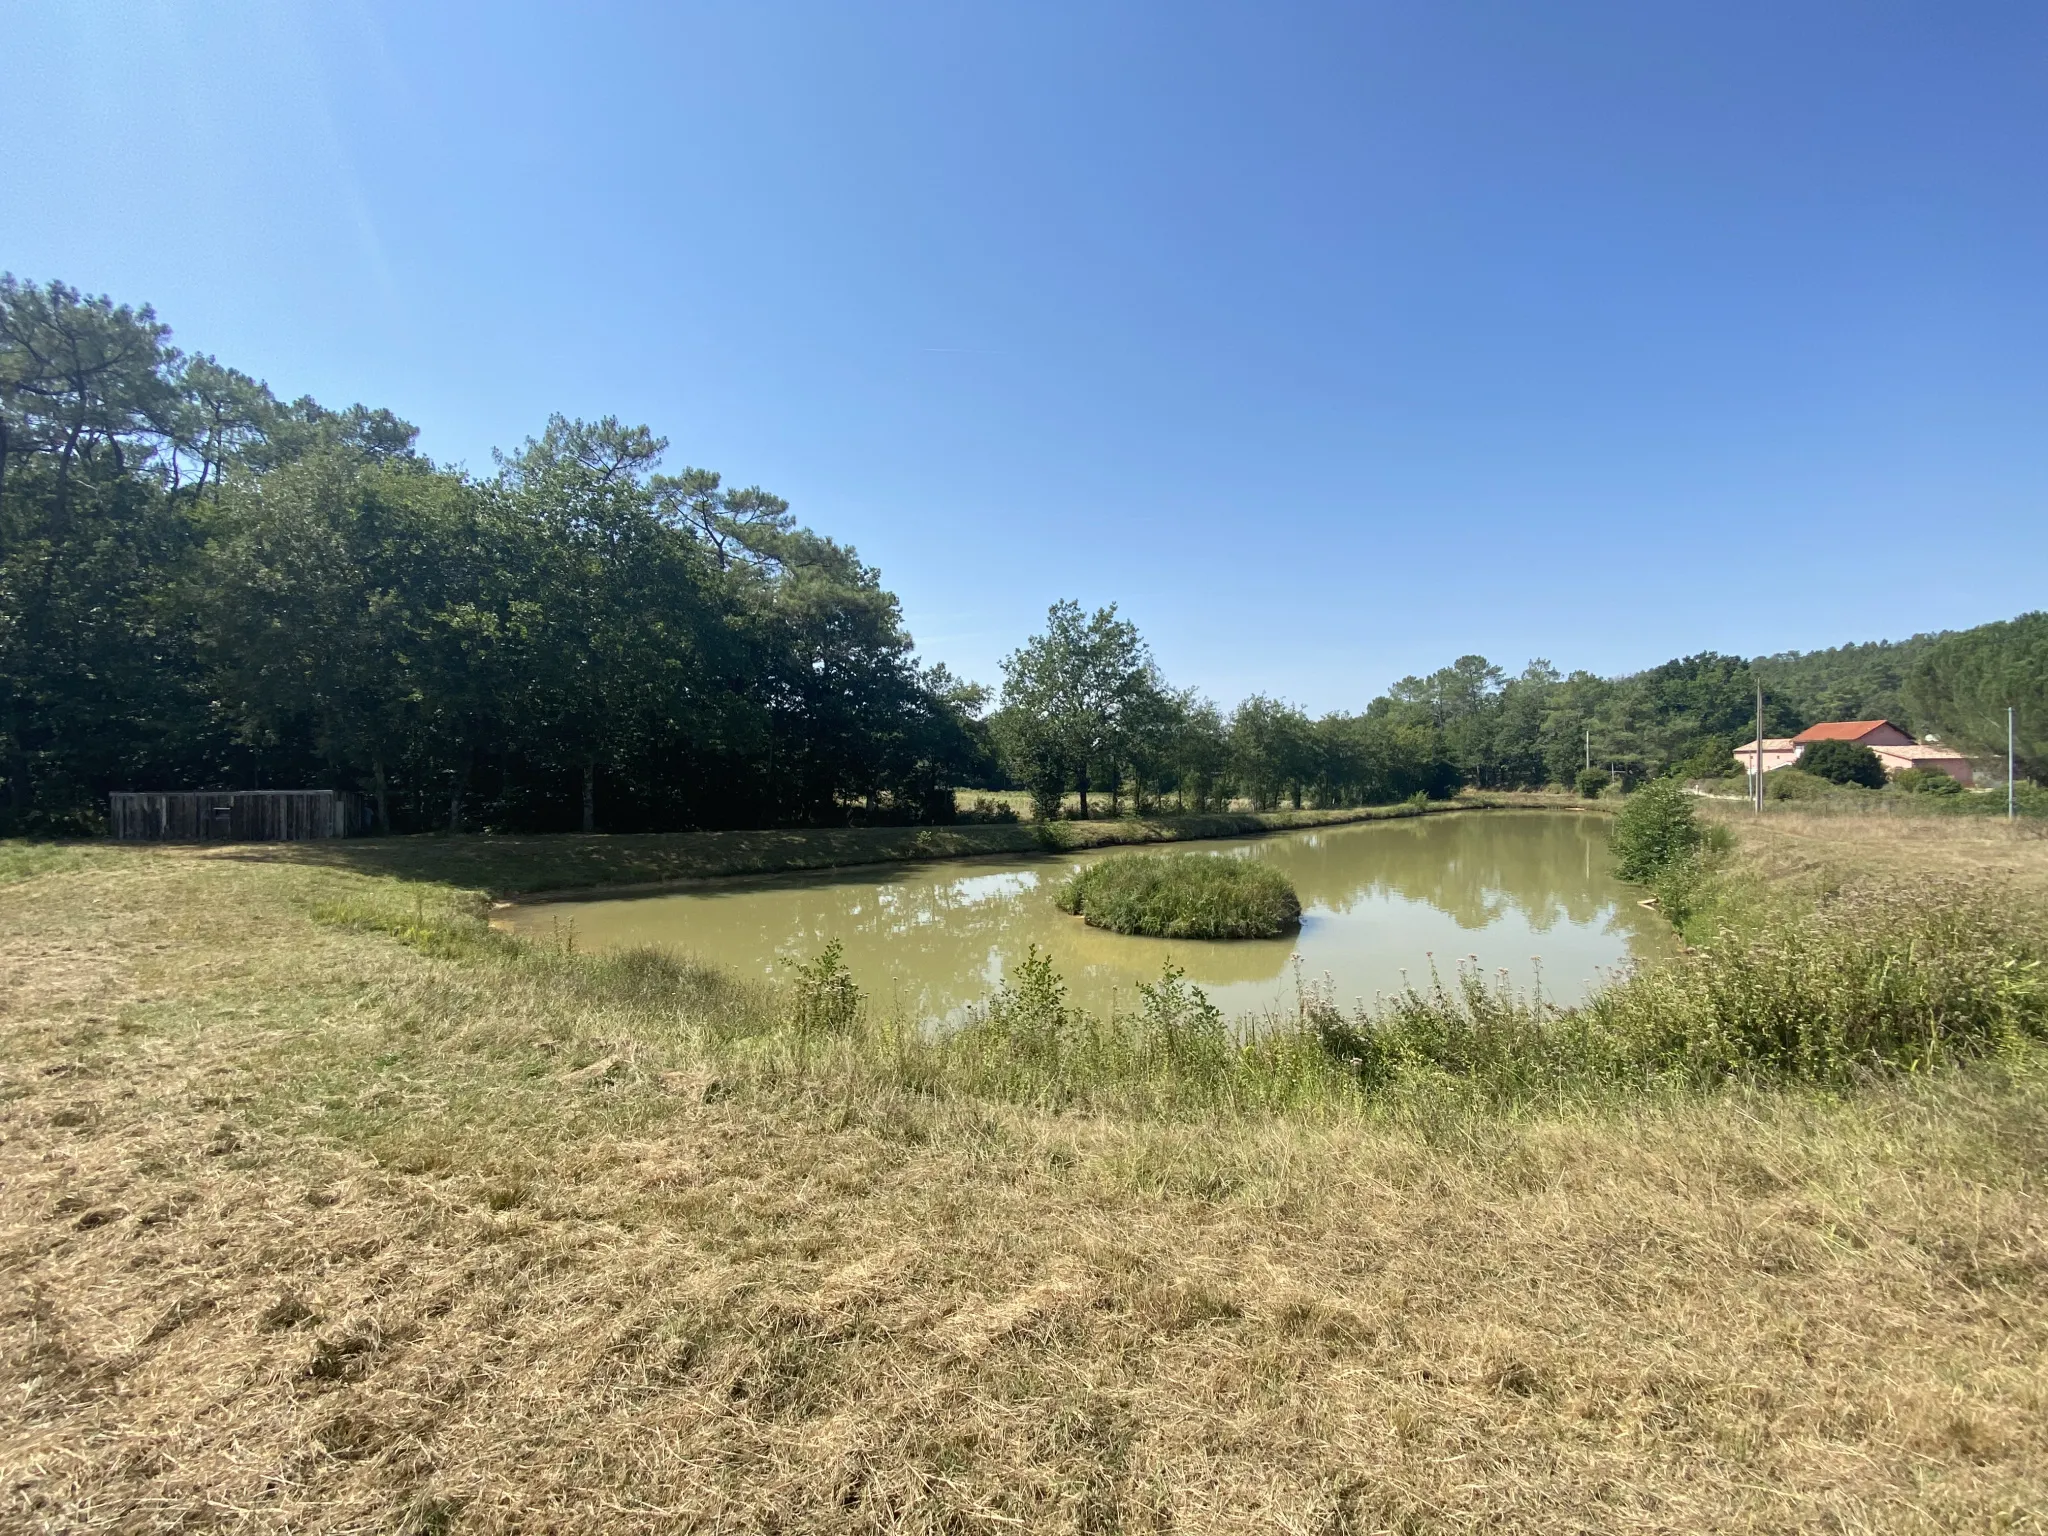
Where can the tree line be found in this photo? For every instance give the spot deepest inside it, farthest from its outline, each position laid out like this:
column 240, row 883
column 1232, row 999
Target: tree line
column 1086, row 711
column 205, row 586
column 202, row 585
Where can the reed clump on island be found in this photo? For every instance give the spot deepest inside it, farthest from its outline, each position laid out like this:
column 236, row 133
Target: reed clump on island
column 1183, row 896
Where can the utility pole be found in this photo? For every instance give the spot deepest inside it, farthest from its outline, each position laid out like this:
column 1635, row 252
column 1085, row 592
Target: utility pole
column 1589, row 746
column 1758, row 786
column 2010, row 812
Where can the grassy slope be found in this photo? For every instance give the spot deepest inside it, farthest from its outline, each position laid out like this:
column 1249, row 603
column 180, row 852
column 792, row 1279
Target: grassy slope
column 305, row 1227
column 513, row 866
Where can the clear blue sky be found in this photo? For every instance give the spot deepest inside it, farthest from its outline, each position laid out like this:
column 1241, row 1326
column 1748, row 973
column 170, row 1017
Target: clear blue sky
column 1331, row 342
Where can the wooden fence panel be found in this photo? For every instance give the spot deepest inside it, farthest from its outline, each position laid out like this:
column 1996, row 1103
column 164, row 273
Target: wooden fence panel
column 234, row 816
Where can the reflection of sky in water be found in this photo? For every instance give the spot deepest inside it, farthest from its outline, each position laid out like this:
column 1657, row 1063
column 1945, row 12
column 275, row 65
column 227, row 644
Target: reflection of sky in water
column 1380, row 900
column 975, row 888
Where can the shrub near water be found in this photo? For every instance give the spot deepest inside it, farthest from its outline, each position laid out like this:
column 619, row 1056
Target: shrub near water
column 1658, row 841
column 1823, row 991
column 1858, row 982
column 1028, row 1043
column 1655, row 827
column 1183, row 896
column 1861, row 981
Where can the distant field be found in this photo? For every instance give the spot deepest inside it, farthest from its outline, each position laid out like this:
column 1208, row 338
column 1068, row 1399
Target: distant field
column 1017, row 800
column 1797, row 843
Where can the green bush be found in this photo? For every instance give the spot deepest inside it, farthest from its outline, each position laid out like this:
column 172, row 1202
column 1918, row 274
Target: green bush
column 1843, row 762
column 1173, row 1053
column 1821, row 992
column 1777, row 988
column 2029, row 799
column 1926, row 781
column 1183, row 896
column 1048, row 794
column 1712, row 758
column 1027, row 1032
column 1685, row 885
column 1902, row 980
column 1592, row 781
column 826, row 1000
column 1656, row 826
column 986, row 810
column 1791, row 784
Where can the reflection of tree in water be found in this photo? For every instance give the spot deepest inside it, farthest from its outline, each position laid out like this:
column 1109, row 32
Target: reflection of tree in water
column 915, row 915
column 927, row 940
column 1552, row 868
column 947, row 942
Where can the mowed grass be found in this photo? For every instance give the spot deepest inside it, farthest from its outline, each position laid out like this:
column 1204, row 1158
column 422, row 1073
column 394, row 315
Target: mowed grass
column 1182, row 896
column 326, row 1209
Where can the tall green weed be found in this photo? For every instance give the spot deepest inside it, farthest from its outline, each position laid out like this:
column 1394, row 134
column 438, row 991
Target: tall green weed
column 1858, row 982
column 1819, row 993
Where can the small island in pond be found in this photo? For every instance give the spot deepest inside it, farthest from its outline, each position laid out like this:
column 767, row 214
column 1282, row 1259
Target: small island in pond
column 1183, row 896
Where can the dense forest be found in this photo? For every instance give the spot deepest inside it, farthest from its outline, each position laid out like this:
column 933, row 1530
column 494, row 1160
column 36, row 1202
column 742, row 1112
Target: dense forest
column 202, row 585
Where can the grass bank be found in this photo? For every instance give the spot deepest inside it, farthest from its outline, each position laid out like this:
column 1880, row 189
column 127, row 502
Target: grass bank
column 557, row 864
column 324, row 1208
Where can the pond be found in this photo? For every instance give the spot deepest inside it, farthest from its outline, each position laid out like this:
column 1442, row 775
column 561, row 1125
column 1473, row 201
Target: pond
column 1529, row 892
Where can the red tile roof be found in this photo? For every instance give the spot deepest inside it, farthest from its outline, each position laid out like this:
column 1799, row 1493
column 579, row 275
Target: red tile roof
column 1844, row 730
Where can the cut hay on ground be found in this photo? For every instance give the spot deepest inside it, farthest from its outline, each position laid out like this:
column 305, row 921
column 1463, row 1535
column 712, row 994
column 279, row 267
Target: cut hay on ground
column 307, row 1228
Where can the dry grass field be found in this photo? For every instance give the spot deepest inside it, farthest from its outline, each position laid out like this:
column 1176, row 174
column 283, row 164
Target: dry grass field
column 1801, row 844
column 309, row 1224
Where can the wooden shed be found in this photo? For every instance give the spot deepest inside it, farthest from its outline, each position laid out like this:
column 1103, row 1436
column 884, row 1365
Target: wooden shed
column 235, row 816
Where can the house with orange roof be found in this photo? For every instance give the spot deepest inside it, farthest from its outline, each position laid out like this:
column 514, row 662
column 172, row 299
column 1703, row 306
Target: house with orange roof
column 1779, row 752
column 1865, row 733
column 1894, row 746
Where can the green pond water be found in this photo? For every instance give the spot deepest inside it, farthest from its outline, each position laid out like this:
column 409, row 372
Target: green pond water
column 1522, row 891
